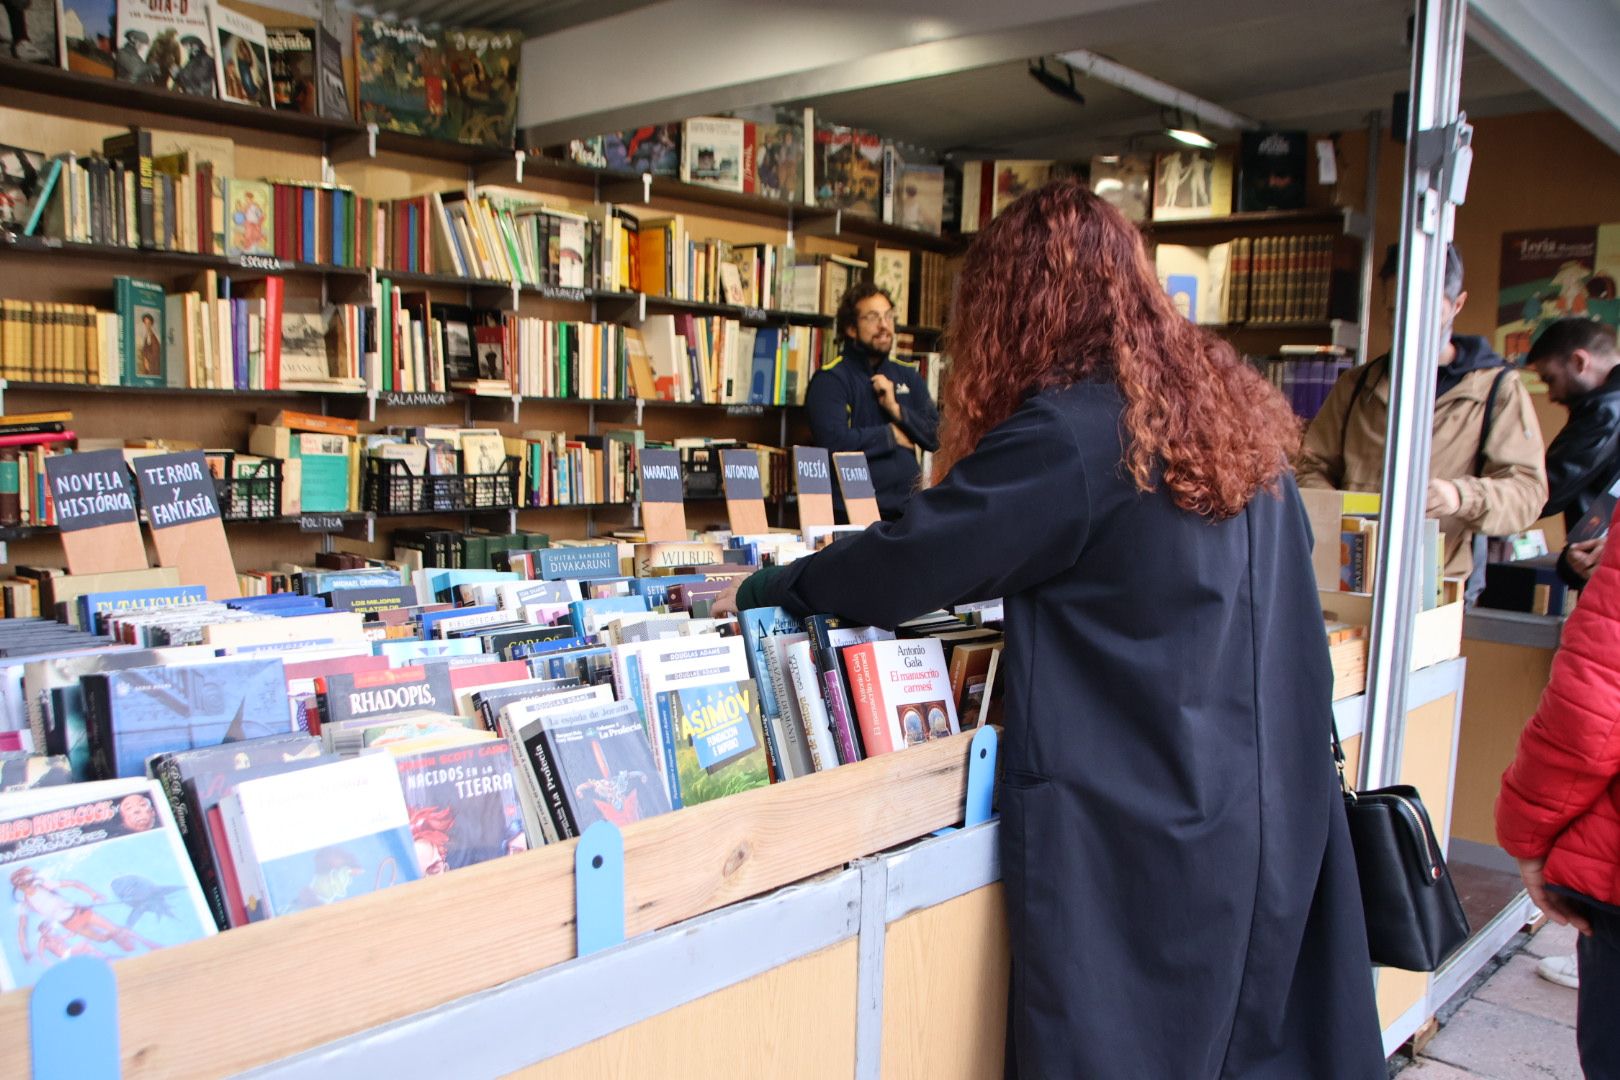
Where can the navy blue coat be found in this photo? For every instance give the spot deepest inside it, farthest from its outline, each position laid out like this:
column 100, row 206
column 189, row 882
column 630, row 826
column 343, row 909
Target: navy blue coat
column 1181, row 891
column 845, row 416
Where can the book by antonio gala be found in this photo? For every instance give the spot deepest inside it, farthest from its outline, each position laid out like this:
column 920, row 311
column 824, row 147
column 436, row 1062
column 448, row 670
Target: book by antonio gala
column 136, row 713
column 604, row 766
column 367, row 694
column 901, row 691
column 305, row 839
column 99, row 871
column 719, row 740
column 464, row 805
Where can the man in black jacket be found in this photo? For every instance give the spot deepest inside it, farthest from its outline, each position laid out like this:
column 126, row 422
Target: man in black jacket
column 1578, row 360
column 867, row 401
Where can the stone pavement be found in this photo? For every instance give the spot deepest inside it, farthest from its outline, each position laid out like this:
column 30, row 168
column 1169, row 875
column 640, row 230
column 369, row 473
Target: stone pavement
column 1513, row 1026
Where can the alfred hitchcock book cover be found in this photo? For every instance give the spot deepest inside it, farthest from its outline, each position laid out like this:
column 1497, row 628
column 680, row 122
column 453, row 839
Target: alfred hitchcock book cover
column 603, row 766
column 97, row 870
column 139, row 712
column 309, row 838
column 717, row 738
column 463, row 803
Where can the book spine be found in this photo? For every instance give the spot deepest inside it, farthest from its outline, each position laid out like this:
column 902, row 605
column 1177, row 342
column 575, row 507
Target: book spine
column 548, row 791
column 250, row 901
column 867, row 700
column 97, row 729
column 538, row 821
column 794, row 752
column 843, row 730
column 567, row 820
column 666, row 742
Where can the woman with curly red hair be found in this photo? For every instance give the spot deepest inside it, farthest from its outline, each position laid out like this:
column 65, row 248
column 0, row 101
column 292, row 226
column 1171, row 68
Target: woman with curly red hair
column 1180, row 886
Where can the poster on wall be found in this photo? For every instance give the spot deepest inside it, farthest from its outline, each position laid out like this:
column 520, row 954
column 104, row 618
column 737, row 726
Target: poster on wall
column 1551, row 274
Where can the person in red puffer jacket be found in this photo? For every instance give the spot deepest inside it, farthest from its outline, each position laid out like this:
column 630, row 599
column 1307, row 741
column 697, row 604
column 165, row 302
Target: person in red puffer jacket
column 1559, row 809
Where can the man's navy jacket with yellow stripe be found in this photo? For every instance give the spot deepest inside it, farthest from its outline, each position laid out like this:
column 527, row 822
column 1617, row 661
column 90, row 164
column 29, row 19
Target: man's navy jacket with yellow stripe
column 845, row 415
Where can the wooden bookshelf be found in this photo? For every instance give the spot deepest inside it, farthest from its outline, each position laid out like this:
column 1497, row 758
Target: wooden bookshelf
column 1264, row 222
column 55, row 110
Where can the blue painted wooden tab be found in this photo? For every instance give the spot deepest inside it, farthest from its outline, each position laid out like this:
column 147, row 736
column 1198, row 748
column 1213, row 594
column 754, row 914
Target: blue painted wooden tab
column 599, row 888
column 73, row 1021
column 981, row 783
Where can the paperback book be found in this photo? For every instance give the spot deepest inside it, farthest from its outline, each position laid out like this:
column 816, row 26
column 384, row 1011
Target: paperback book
column 166, row 44
column 97, row 870
column 714, row 741
column 463, row 802
column 244, row 57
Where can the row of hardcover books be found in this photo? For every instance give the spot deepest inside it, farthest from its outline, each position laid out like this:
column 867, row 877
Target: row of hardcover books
column 250, row 759
column 1306, row 375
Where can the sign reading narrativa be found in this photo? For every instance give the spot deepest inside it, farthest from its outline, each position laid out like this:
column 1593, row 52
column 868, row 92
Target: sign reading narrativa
column 90, row 489
column 176, row 489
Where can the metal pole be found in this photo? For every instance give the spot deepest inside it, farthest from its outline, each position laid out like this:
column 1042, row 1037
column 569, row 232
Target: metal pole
column 1369, row 257
column 1436, row 159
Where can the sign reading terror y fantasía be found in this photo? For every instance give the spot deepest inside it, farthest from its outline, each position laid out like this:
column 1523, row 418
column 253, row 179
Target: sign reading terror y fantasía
column 182, row 509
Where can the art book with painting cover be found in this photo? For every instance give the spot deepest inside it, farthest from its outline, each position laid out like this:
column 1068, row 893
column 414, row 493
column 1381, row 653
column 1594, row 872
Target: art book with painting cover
column 901, row 692
column 463, row 802
column 714, row 741
column 481, row 67
column 243, row 55
column 93, row 870
column 88, row 37
column 305, row 839
column 139, row 712
column 713, row 151
column 848, row 170
column 30, row 33
column 292, row 67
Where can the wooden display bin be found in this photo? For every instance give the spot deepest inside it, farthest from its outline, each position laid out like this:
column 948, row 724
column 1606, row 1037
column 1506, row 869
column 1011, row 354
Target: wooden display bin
column 1436, row 635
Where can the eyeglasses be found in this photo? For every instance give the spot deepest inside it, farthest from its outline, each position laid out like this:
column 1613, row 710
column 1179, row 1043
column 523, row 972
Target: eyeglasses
column 873, row 318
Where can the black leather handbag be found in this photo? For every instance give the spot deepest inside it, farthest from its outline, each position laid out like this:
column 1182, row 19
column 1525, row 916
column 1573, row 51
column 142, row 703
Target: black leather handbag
column 1414, row 919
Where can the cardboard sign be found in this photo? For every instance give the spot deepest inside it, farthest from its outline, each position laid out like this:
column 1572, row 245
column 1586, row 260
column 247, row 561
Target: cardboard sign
column 855, row 481
column 95, row 509
column 745, row 491
column 812, row 482
column 182, row 510
column 663, row 506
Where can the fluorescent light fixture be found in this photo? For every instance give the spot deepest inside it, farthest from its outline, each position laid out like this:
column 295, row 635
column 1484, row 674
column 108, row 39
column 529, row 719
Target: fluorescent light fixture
column 1189, row 137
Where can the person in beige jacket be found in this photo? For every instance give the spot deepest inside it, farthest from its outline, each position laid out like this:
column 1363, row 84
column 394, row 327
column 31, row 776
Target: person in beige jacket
column 1487, row 473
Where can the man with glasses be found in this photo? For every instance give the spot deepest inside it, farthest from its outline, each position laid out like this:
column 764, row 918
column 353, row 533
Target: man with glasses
column 866, row 400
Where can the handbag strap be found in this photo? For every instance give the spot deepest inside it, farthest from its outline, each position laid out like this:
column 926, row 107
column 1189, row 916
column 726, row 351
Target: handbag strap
column 1338, row 759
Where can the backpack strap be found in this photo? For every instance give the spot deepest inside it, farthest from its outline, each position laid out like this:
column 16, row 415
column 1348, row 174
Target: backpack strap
column 1490, row 417
column 1355, row 395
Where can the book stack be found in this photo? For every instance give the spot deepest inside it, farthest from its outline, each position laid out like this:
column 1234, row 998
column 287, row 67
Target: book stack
column 720, row 361
column 57, row 343
column 26, row 440
column 1283, row 279
column 1306, row 374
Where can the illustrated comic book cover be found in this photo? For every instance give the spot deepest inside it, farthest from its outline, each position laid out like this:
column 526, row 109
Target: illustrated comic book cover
column 100, row 872
column 463, row 803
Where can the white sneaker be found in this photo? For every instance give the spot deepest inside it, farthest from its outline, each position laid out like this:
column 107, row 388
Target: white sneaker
column 1560, row 970
column 27, row 50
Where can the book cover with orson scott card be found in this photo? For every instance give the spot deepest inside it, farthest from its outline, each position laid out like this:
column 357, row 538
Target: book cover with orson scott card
column 103, row 877
column 154, row 710
column 719, row 740
column 463, row 803
column 605, row 765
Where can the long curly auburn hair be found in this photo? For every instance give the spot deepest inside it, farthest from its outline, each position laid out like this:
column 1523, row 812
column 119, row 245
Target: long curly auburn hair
column 1058, row 290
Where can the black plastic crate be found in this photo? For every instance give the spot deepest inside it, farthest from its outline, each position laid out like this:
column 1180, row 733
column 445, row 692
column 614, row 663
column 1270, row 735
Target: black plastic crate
column 253, row 497
column 390, row 487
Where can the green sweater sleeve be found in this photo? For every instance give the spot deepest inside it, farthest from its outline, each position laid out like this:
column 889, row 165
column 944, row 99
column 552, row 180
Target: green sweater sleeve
column 755, row 589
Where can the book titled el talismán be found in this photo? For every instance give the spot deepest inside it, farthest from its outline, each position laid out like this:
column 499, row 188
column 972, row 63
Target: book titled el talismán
column 98, row 871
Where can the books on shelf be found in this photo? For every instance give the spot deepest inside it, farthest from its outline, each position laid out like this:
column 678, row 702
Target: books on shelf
column 989, row 187
column 1125, row 182
column 848, row 170
column 1271, row 170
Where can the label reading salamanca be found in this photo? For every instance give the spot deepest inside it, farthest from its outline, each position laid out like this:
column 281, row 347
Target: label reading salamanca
column 176, row 489
column 740, row 469
column 91, row 489
column 812, row 471
column 660, row 476
column 854, row 477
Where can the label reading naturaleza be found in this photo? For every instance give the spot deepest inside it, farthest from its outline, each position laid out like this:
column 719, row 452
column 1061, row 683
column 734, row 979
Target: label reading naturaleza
column 176, row 489
column 91, row 489
column 854, row 478
column 812, row 471
column 660, row 476
column 740, row 469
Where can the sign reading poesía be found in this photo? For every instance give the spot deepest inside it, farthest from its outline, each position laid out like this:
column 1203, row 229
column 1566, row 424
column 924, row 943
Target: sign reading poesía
column 176, row 489
column 90, row 489
column 660, row 476
column 811, row 471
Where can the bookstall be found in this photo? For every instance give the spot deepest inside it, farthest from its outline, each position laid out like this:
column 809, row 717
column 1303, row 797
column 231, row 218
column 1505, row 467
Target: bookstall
column 846, row 923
